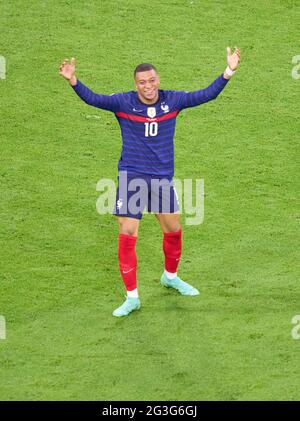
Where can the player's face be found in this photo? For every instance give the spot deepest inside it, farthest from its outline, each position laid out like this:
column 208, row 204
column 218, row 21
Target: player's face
column 147, row 84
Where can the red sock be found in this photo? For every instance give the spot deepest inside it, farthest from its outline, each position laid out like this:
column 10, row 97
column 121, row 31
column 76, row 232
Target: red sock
column 172, row 250
column 128, row 260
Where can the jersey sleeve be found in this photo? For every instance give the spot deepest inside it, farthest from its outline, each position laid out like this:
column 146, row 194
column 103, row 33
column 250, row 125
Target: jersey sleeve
column 191, row 99
column 105, row 102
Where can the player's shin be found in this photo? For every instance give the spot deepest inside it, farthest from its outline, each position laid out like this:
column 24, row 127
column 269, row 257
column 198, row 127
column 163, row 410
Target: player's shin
column 172, row 246
column 128, row 263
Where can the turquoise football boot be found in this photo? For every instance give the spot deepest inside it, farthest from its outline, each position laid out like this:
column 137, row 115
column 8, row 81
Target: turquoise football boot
column 129, row 305
column 183, row 287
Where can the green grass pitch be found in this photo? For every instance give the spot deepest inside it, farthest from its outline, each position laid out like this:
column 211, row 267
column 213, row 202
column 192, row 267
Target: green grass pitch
column 59, row 272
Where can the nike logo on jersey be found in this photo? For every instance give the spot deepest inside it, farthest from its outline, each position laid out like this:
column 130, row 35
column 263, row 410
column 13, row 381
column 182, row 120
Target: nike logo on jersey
column 137, row 111
column 127, row 271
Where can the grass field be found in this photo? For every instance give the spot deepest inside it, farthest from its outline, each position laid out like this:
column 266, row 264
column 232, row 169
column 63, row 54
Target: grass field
column 60, row 280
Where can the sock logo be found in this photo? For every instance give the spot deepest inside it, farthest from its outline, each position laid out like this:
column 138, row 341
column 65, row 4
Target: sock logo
column 127, row 271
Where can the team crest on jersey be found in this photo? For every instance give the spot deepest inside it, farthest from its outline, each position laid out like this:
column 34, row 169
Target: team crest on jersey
column 151, row 112
column 164, row 107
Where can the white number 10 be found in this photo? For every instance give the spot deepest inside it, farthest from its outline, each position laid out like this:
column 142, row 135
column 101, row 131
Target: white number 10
column 151, row 129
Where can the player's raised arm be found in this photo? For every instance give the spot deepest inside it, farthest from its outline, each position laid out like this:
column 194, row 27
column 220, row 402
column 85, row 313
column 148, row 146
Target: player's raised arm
column 106, row 102
column 191, row 99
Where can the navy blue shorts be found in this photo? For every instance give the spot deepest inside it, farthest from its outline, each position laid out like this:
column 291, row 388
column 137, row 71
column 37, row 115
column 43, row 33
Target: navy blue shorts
column 137, row 192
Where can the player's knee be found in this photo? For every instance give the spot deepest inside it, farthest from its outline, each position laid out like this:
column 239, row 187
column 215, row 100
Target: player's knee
column 128, row 226
column 174, row 227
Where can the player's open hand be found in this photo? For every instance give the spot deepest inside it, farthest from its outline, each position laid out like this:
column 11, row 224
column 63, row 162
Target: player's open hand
column 234, row 58
column 67, row 69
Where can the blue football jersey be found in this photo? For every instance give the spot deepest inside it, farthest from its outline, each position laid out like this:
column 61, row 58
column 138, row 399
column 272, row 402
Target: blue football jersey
column 148, row 130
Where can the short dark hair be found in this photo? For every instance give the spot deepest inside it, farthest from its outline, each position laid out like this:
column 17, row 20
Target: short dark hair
column 144, row 67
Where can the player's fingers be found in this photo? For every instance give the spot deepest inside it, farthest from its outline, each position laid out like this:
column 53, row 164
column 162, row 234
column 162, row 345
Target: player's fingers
column 228, row 51
column 73, row 61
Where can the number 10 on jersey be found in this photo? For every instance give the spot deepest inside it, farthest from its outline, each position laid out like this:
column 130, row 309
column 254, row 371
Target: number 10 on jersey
column 151, row 129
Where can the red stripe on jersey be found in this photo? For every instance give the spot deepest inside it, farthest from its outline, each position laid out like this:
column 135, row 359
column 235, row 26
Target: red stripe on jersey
column 167, row 116
column 141, row 119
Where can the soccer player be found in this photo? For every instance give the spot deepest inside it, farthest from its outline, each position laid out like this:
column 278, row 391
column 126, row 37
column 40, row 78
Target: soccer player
column 147, row 119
